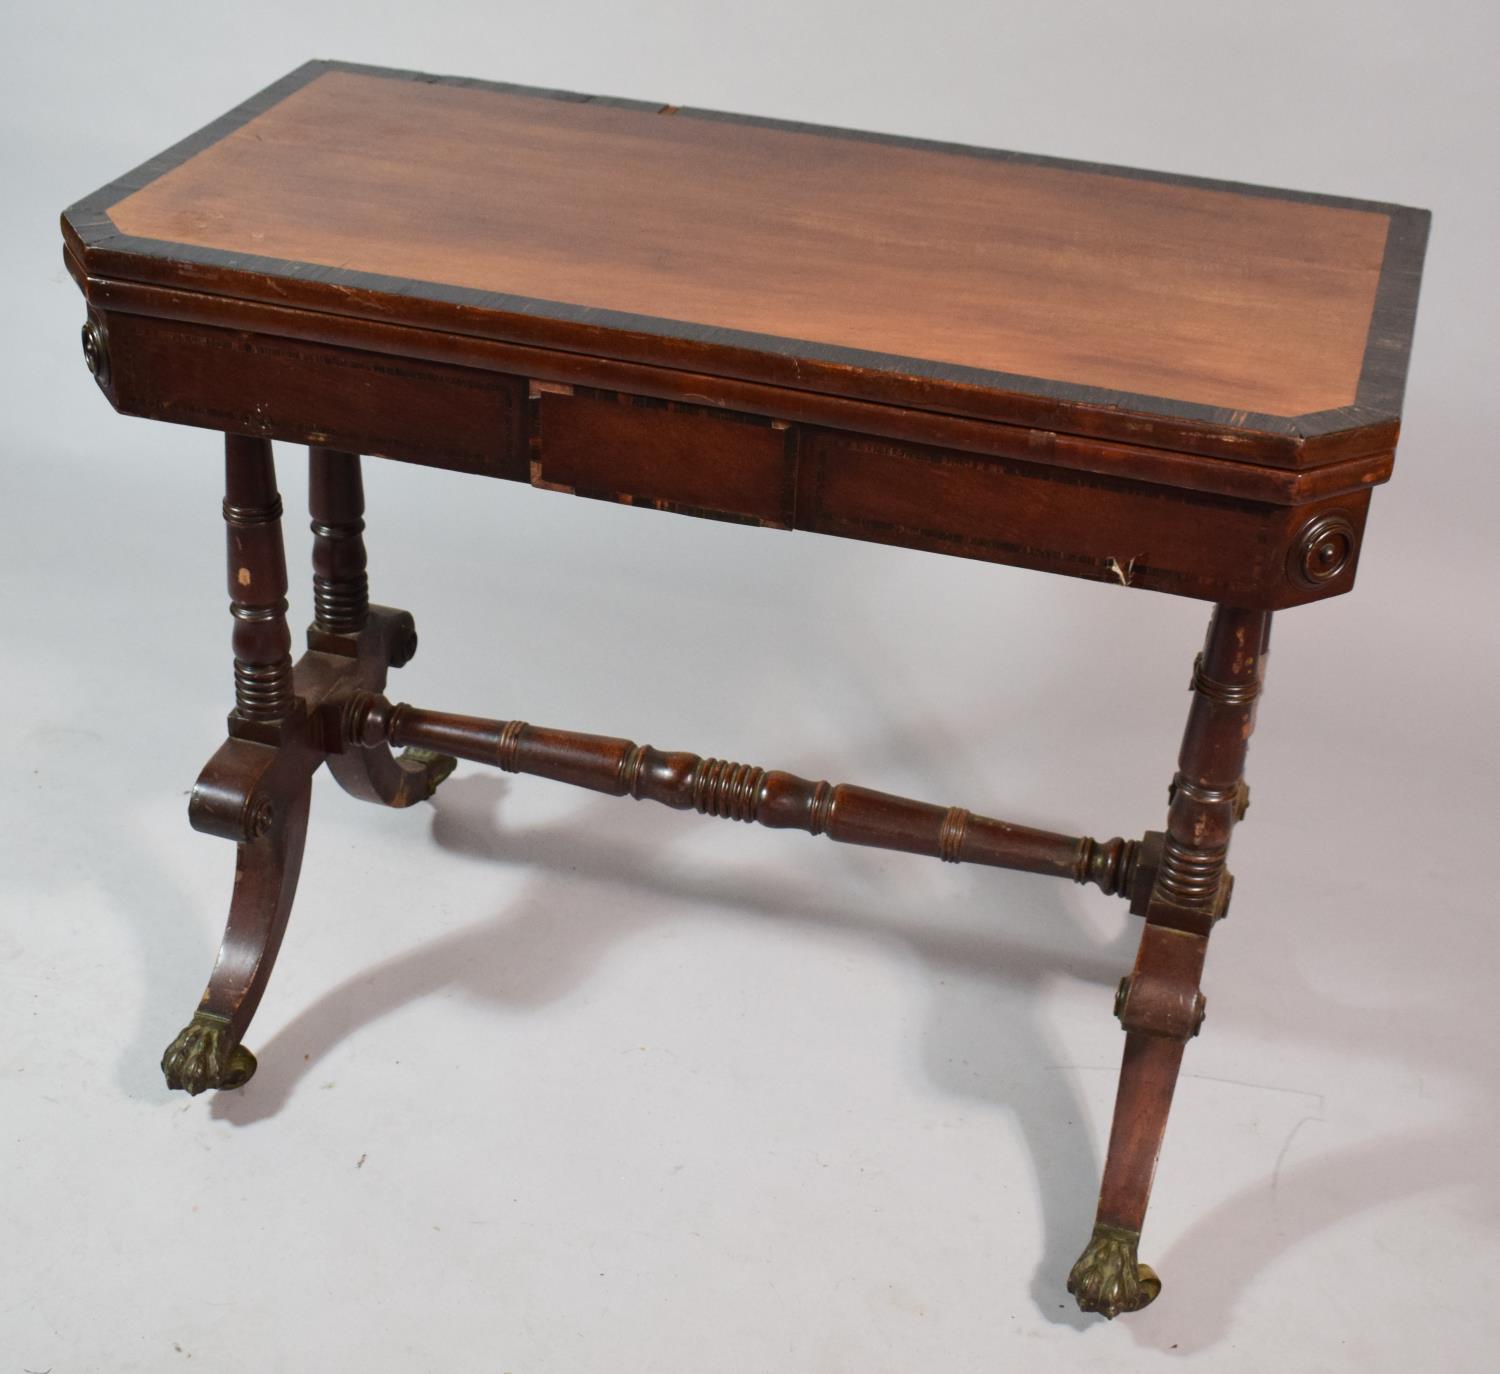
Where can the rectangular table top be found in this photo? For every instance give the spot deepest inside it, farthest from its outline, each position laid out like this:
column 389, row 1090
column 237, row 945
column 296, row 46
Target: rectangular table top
column 1266, row 326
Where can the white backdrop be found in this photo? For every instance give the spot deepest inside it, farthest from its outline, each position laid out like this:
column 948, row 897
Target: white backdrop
column 555, row 1083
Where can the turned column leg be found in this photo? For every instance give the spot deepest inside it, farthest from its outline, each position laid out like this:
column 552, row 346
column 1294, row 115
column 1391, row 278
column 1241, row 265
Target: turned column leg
column 261, row 641
column 255, row 790
column 344, row 622
column 1159, row 1004
column 336, row 502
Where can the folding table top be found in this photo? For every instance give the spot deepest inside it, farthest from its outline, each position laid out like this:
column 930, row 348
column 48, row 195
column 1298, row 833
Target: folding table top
column 1265, row 326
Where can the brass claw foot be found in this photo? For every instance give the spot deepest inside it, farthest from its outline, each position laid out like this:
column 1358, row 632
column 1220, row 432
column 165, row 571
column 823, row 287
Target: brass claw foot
column 203, row 1056
column 1108, row 1278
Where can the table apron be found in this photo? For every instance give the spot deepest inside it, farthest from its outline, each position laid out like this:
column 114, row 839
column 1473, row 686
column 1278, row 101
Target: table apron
column 884, row 475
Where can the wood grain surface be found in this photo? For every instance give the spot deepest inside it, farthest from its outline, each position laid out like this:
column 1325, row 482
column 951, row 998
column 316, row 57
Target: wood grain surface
column 1233, row 299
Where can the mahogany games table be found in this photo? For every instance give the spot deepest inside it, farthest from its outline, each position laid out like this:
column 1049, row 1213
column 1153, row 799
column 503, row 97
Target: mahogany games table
column 1157, row 382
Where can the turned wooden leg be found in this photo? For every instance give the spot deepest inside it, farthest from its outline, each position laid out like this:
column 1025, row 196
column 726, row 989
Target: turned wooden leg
column 344, row 621
column 1159, row 1004
column 255, row 789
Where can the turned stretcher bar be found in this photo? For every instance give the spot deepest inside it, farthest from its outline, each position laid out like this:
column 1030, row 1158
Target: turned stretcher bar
column 743, row 792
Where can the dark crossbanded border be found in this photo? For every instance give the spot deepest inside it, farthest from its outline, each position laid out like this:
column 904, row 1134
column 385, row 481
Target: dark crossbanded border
column 1367, row 425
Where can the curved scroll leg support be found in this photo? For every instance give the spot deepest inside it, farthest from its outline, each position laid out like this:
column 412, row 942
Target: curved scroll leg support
column 207, row 1053
column 345, row 623
column 403, row 779
column 387, row 639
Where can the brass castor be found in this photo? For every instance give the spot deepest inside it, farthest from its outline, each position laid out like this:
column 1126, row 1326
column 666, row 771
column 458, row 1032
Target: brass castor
column 439, row 766
column 203, row 1057
column 1108, row 1277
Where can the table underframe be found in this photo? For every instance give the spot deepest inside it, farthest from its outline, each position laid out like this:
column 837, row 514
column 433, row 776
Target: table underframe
column 329, row 707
